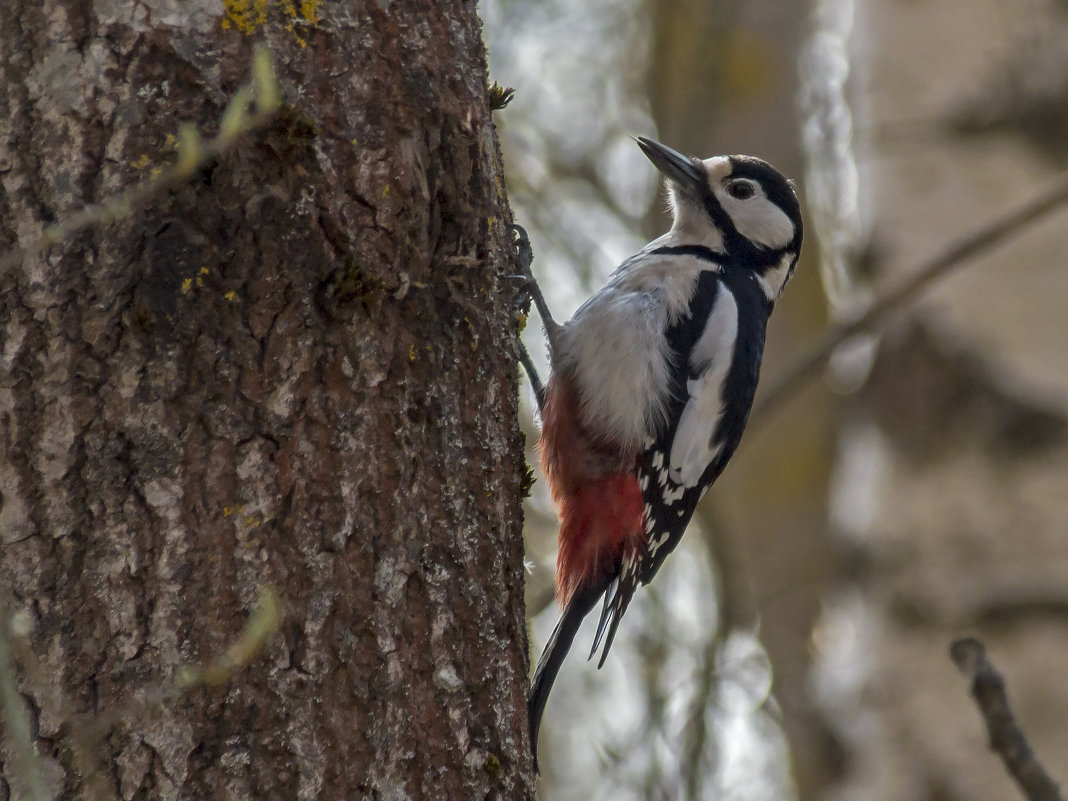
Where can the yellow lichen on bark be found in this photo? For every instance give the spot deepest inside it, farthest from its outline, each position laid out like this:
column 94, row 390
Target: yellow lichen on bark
column 245, row 15
column 248, row 15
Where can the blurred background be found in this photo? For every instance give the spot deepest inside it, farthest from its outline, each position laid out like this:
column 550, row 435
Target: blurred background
column 796, row 645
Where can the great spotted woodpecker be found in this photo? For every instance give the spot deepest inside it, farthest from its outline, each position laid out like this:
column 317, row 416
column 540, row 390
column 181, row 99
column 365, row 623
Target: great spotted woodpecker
column 651, row 385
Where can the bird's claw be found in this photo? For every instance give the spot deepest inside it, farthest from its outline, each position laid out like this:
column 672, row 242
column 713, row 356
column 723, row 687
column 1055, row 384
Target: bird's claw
column 523, row 251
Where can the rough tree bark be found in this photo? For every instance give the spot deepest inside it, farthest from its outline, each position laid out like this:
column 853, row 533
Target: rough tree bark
column 297, row 371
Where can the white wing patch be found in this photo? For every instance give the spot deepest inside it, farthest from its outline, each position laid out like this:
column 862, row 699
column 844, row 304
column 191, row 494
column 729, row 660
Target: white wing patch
column 694, row 446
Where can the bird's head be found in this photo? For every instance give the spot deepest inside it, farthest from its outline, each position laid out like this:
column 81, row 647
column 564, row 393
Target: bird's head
column 739, row 205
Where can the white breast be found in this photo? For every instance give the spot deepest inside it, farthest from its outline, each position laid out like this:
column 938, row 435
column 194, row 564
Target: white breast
column 615, row 345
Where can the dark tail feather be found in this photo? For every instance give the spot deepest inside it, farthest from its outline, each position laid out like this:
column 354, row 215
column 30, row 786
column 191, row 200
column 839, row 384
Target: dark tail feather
column 611, row 617
column 553, row 657
column 606, row 616
column 616, row 599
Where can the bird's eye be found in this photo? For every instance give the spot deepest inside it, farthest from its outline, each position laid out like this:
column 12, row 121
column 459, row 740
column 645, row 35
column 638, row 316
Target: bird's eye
column 741, row 190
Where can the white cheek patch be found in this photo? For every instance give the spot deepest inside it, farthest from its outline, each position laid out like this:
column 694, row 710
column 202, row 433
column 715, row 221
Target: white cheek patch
column 695, row 444
column 758, row 219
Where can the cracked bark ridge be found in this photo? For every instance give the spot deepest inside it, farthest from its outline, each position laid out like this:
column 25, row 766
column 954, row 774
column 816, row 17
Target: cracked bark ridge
column 297, row 371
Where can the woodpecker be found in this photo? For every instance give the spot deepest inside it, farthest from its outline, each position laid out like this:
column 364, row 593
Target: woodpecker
column 651, row 384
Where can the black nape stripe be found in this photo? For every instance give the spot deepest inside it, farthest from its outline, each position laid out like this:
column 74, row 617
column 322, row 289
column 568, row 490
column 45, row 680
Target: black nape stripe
column 697, row 251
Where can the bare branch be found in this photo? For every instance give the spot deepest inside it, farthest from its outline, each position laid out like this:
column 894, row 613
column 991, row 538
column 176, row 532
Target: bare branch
column 918, row 281
column 1006, row 739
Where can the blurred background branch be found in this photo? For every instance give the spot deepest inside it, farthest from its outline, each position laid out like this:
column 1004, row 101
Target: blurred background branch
column 1006, row 738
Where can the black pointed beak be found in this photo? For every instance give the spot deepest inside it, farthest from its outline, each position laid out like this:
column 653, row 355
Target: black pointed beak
column 683, row 170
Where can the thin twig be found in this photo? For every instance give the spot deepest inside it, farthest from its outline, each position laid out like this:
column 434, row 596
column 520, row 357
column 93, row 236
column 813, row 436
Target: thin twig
column 986, row 237
column 252, row 107
column 88, row 731
column 262, row 624
column 26, row 767
column 1006, row 739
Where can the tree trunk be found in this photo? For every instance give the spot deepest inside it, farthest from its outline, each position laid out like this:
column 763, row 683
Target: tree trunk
column 296, row 372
